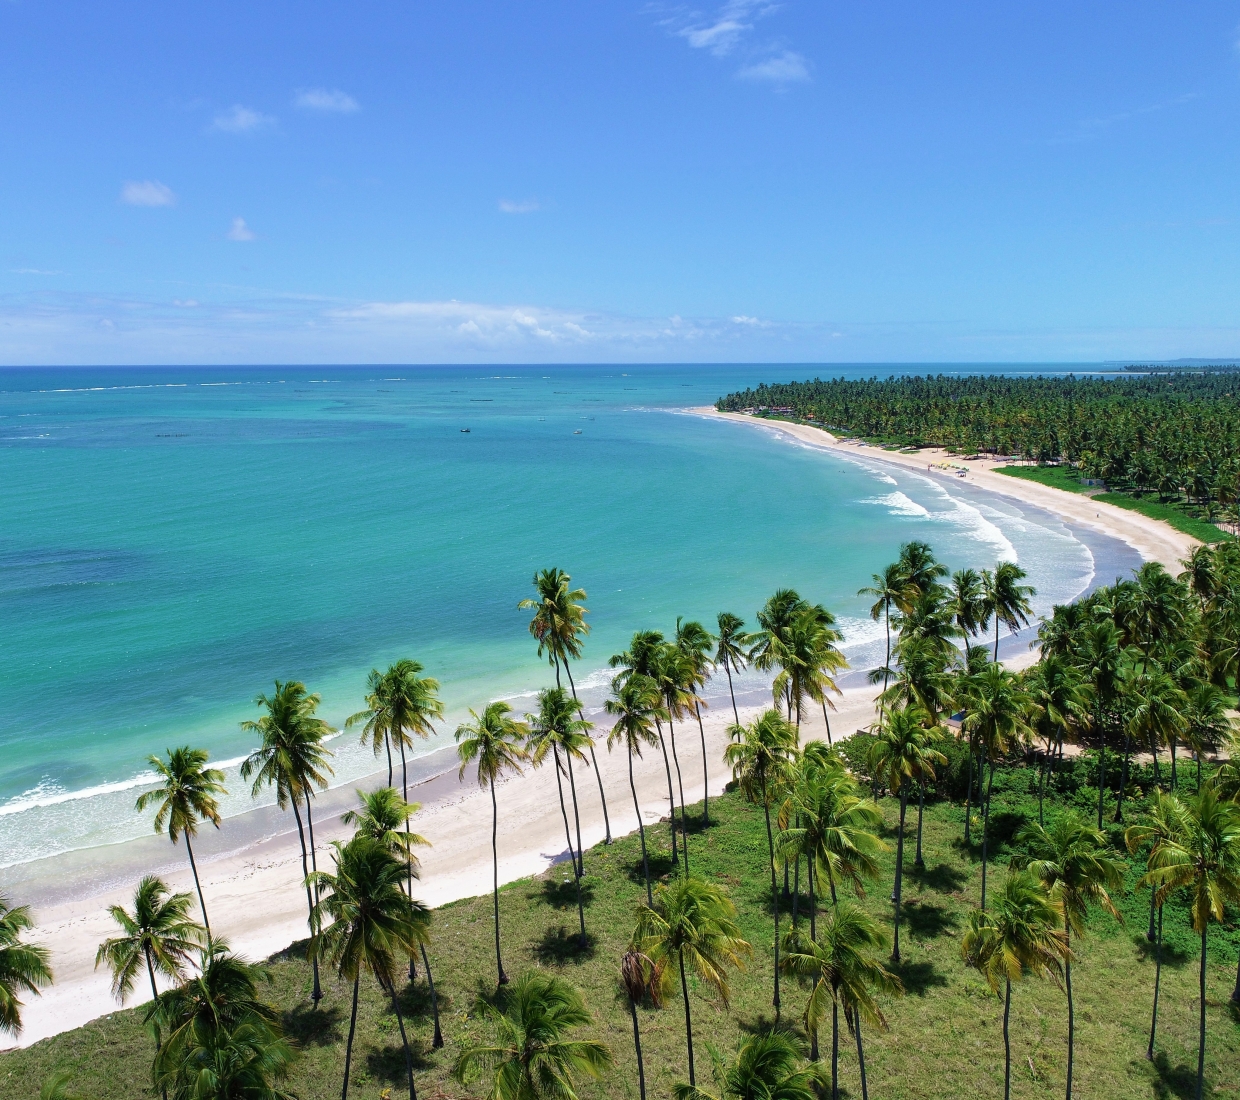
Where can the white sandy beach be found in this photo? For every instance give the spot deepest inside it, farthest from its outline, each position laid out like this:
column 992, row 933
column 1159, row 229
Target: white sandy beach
column 254, row 894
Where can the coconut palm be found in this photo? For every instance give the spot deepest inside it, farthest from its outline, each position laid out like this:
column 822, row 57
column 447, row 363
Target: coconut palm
column 692, row 921
column 635, row 704
column 672, row 672
column 247, row 1061
column 695, row 641
column 1019, row 937
column 760, row 756
column 56, row 1087
column 903, row 753
column 966, row 601
column 186, row 796
column 1200, row 854
column 891, row 588
column 1105, row 660
column 293, row 759
column 1208, row 723
column 732, row 646
column 24, row 967
column 1005, row 599
column 768, row 1066
column 554, row 729
column 770, row 643
column 532, row 1056
column 496, row 743
column 637, row 977
column 366, row 921
column 1072, row 860
column 919, row 567
column 559, row 625
column 1060, row 701
column 843, row 974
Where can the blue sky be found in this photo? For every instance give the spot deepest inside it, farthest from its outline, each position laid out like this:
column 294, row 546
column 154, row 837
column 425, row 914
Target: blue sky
column 603, row 181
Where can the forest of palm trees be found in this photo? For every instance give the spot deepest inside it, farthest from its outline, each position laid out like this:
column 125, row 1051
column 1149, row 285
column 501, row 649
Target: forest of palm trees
column 1144, row 669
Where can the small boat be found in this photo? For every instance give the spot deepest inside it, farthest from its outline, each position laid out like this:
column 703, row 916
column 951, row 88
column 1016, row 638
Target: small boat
column 577, row 432
column 465, row 430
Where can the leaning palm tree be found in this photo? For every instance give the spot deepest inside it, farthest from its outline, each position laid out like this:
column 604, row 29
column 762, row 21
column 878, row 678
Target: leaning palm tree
column 902, row 754
column 293, row 759
column 532, row 1056
column 732, row 646
column 843, row 974
column 494, row 742
column 692, row 921
column 1072, row 860
column 637, row 977
column 694, row 642
column 672, row 672
column 768, row 1066
column 759, row 756
column 366, row 921
column 1201, row 854
column 186, row 796
column 24, row 967
column 635, row 704
column 159, row 934
column 1019, row 937
column 1005, row 599
column 891, row 588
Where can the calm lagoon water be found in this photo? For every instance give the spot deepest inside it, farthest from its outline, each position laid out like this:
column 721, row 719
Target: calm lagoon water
column 173, row 540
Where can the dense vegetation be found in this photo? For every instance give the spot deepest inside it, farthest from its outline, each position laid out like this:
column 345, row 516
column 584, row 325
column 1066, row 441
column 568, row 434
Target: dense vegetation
column 1093, row 890
column 1177, row 437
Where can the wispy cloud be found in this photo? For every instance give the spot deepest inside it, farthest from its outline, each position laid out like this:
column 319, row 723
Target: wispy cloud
column 321, row 99
column 1088, row 128
column 784, row 68
column 239, row 231
column 523, row 206
column 147, row 193
column 728, row 32
column 241, row 120
column 32, row 271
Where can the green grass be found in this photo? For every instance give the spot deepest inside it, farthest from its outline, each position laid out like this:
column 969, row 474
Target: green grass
column 944, row 1037
column 1058, row 477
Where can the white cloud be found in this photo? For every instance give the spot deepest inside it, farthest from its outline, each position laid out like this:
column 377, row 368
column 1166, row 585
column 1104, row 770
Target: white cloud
column 320, row 99
column 524, row 206
column 147, row 193
column 240, row 231
column 32, row 271
column 241, row 120
column 785, row 68
column 720, row 33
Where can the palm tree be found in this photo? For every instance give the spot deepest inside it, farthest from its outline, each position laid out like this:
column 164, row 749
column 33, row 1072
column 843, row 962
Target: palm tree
column 903, row 753
column 497, row 743
column 732, row 651
column 159, row 934
column 366, row 921
column 1072, row 861
column 1201, row 854
column 637, row 977
column 967, row 601
column 246, row 1061
column 1006, row 600
column 559, row 626
column 691, row 921
column 56, row 1087
column 760, row 755
column 843, row 974
column 24, row 967
column 1158, row 709
column 694, row 641
column 1060, row 702
column 554, row 728
column 891, row 588
column 186, row 796
column 635, row 706
column 672, row 673
column 1018, row 938
column 919, row 567
column 293, row 759
column 768, row 1066
column 1208, row 723
column 770, row 642
column 532, row 1056
column 1104, row 658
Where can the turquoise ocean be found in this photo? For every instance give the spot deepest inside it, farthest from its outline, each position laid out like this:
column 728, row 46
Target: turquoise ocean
column 172, row 540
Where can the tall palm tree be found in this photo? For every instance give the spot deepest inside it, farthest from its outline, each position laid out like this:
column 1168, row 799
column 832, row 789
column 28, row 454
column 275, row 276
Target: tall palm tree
column 891, row 588
column 1072, row 860
column 247, row 1061
column 559, row 626
column 768, row 1066
column 496, row 743
column 24, row 967
column 967, row 602
column 1019, row 937
column 1208, row 723
column 1201, row 854
column 634, row 704
column 1006, row 600
column 293, row 759
column 159, row 934
column 1158, row 710
column 672, row 673
column 1104, row 657
column 732, row 647
column 366, row 921
column 770, row 643
column 555, row 729
column 637, row 977
column 843, row 974
column 695, row 641
column 532, row 1056
column 760, row 756
column 691, row 921
column 186, row 796
column 902, row 754
column 919, row 567
column 1060, row 701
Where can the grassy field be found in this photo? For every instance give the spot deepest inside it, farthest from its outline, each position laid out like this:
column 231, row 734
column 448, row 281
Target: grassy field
column 1058, row 477
column 944, row 1038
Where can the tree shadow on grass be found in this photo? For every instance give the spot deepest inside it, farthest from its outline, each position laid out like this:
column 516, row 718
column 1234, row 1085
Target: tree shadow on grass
column 387, row 1063
column 559, row 946
column 415, row 1001
column 942, row 877
column 1172, row 956
column 660, row 864
column 929, row 921
column 1003, row 827
column 560, row 894
column 314, row 1027
column 763, row 1024
column 1179, row 1081
column 918, row 977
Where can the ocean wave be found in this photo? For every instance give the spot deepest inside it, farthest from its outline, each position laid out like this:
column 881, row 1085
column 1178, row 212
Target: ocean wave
column 898, row 504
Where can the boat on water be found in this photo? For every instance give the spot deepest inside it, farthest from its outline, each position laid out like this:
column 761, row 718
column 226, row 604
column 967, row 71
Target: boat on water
column 577, row 432
column 465, row 430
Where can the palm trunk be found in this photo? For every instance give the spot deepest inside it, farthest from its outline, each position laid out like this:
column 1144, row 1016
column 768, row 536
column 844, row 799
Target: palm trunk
column 684, row 821
column 813, row 900
column 1123, row 775
column 882, row 705
column 400, row 1023
column 1154, row 753
column 835, row 1050
column 918, row 862
column 593, row 760
column 1201, row 1026
column 986, row 825
column 1174, row 777
column 641, row 831
column 895, row 952
column 387, row 744
column 499, row 962
column 637, row 1045
column 1067, row 927
column 317, row 994
column 572, row 786
column 437, row 1041
column 770, row 844
column 314, row 863
column 1235, row 993
column 865, row 1091
column 684, row 989
column 404, row 794
column 568, row 836
column 735, row 713
column 1102, row 774
column 150, row 970
column 1149, row 1051
column 348, row 1048
column 996, row 638
column 968, row 797
column 827, row 720
column 197, row 885
column 671, row 798
column 705, row 774
column 1007, row 1043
